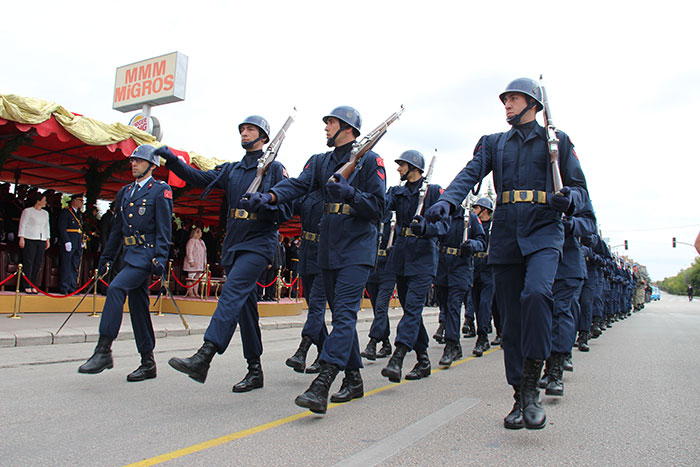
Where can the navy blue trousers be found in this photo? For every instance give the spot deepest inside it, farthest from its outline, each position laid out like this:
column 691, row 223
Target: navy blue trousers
column 482, row 298
column 450, row 301
column 468, row 305
column 315, row 295
column 344, row 288
column 70, row 261
column 380, row 295
column 133, row 282
column 412, row 291
column 238, row 306
column 566, row 294
column 587, row 300
column 526, row 304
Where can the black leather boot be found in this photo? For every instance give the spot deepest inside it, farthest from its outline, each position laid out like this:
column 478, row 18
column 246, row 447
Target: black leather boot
column 315, row 366
column 482, row 345
column 316, row 397
column 583, row 337
column 351, row 388
column 147, row 369
column 534, row 417
column 386, row 350
column 253, row 379
column 568, row 362
column 497, row 340
column 297, row 362
column 544, row 380
column 452, row 352
column 422, row 367
column 439, row 335
column 595, row 328
column 196, row 366
column 393, row 369
column 101, row 359
column 370, row 352
column 514, row 420
column 555, row 371
column 468, row 329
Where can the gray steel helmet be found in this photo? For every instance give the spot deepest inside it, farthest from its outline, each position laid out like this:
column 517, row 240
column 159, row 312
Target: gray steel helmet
column 526, row 86
column 412, row 157
column 348, row 115
column 145, row 152
column 259, row 122
column 485, row 203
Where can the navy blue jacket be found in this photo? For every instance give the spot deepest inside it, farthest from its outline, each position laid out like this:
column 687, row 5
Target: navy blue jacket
column 259, row 235
column 572, row 263
column 413, row 256
column 482, row 263
column 521, row 162
column 310, row 210
column 457, row 271
column 381, row 271
column 70, row 220
column 345, row 239
column 147, row 213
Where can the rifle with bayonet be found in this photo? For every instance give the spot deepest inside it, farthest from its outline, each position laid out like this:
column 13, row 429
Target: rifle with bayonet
column 552, row 141
column 467, row 210
column 359, row 149
column 270, row 154
column 424, row 186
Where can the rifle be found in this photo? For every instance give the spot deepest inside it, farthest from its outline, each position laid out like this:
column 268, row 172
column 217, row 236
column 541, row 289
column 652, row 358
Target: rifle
column 467, row 211
column 359, row 149
column 270, row 154
column 392, row 231
column 424, row 186
column 552, row 141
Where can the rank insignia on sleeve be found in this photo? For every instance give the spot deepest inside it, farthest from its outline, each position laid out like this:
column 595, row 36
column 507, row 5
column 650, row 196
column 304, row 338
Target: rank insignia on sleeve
column 380, row 161
column 167, row 194
column 381, row 174
column 575, row 155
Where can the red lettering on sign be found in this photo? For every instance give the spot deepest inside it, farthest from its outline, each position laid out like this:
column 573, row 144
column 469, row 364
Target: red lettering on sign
column 120, row 94
column 168, row 83
column 145, row 72
column 159, row 68
column 147, row 87
column 167, row 194
column 157, row 85
column 131, row 76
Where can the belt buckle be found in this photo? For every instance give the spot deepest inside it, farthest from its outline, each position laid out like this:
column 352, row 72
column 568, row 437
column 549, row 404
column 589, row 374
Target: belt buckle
column 129, row 241
column 241, row 214
column 526, row 195
column 334, row 208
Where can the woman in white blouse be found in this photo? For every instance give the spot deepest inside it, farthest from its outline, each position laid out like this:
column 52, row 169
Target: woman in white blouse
column 34, row 237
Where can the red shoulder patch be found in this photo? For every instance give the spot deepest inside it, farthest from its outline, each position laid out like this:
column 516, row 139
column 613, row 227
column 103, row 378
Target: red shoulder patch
column 380, row 161
column 167, row 194
column 442, row 190
column 381, row 174
column 575, row 155
column 307, row 166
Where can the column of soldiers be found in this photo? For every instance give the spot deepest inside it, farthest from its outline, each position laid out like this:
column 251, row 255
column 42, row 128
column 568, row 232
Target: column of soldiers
column 535, row 257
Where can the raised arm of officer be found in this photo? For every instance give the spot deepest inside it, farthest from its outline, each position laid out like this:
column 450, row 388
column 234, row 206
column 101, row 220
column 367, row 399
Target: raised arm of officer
column 189, row 174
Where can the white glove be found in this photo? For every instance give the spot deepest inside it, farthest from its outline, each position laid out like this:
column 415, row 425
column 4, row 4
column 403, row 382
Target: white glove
column 69, row 247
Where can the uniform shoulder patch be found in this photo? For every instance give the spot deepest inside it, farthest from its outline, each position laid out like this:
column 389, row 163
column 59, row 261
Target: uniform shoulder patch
column 442, row 190
column 380, row 161
column 574, row 152
column 381, row 174
column 167, row 194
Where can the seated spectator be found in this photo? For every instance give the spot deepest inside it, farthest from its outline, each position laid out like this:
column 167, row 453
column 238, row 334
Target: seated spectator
column 195, row 260
column 33, row 235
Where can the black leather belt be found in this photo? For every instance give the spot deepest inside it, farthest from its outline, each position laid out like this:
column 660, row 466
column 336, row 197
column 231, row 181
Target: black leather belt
column 242, row 214
column 448, row 250
column 336, row 208
column 523, row 196
column 310, row 236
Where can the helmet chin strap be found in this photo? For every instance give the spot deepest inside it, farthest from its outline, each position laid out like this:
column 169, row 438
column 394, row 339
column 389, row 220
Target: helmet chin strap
column 143, row 174
column 250, row 144
column 331, row 141
column 515, row 119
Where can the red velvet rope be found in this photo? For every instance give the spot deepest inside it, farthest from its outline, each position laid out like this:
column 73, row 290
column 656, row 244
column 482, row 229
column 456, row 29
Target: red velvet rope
column 8, row 278
column 58, row 296
column 189, row 286
column 152, row 285
column 266, row 286
column 290, row 284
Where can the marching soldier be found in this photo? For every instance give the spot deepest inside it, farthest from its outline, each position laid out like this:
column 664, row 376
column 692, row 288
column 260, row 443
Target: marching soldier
column 347, row 250
column 482, row 290
column 142, row 228
column 249, row 246
column 527, row 236
column 70, row 233
column 310, row 210
column 414, row 260
column 455, row 276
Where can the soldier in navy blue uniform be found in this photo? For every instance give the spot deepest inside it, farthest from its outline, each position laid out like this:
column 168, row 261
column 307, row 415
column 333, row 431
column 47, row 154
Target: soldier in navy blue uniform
column 142, row 228
column 526, row 238
column 414, row 260
column 70, row 234
column 482, row 289
column 571, row 273
column 249, row 246
column 347, row 250
column 380, row 288
column 310, row 210
column 455, row 276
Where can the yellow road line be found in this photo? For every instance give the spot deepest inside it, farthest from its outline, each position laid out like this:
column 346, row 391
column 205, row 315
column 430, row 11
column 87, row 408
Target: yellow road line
column 266, row 426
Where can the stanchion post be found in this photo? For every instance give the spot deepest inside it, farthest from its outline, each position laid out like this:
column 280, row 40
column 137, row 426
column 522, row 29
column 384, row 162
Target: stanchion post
column 18, row 299
column 297, row 286
column 205, row 287
column 167, row 287
column 94, row 296
column 278, row 282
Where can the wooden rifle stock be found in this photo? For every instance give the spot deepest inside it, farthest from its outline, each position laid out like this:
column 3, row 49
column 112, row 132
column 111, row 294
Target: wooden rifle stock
column 367, row 143
column 269, row 155
column 552, row 142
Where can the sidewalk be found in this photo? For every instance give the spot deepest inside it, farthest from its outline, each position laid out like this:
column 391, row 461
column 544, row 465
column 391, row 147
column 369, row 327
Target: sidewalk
column 40, row 328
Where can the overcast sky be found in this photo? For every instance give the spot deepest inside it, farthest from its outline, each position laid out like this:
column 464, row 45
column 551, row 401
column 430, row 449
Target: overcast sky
column 623, row 81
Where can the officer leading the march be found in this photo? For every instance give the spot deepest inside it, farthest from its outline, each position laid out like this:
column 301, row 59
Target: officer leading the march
column 347, row 250
column 526, row 238
column 142, row 227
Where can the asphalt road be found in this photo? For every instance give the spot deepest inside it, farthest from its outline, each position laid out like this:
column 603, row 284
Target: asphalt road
column 632, row 400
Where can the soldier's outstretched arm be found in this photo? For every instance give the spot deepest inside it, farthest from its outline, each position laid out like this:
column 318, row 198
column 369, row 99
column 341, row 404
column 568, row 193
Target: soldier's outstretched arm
column 164, row 215
column 290, row 189
column 194, row 176
column 476, row 169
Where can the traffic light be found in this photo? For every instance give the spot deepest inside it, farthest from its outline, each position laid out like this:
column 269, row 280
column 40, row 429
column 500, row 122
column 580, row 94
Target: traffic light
column 626, row 245
column 674, row 242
